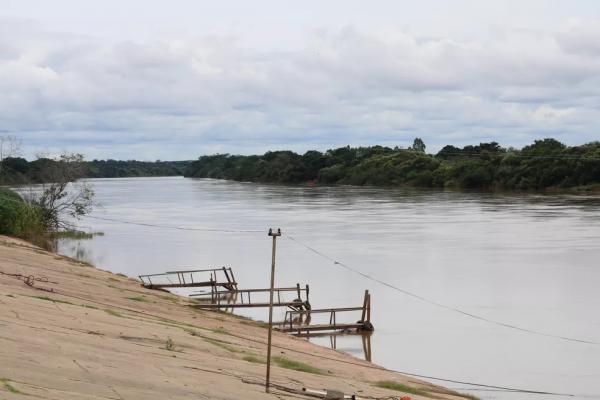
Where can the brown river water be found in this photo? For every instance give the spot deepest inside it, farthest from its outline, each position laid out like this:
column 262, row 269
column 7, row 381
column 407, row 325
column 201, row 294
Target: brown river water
column 496, row 279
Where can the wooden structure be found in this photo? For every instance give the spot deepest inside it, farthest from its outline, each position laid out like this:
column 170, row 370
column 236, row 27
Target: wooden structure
column 214, row 278
column 243, row 298
column 224, row 294
column 298, row 321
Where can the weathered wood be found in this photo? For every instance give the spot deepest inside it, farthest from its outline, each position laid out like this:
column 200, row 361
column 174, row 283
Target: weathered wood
column 185, row 279
column 249, row 305
column 185, row 285
column 320, row 327
column 282, row 289
column 240, row 298
column 298, row 321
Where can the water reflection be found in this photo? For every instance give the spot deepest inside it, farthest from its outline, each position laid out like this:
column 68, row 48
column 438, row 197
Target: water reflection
column 351, row 343
column 79, row 249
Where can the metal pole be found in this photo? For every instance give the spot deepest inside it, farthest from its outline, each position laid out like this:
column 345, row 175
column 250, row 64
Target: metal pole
column 274, row 235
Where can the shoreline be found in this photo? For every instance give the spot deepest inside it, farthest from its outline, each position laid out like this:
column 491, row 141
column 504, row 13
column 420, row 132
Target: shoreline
column 81, row 332
column 592, row 189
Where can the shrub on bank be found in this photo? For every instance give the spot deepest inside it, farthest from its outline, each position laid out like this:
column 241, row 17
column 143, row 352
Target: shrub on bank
column 18, row 218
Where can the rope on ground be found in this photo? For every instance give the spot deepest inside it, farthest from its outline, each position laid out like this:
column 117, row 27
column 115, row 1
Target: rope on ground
column 29, row 280
column 438, row 304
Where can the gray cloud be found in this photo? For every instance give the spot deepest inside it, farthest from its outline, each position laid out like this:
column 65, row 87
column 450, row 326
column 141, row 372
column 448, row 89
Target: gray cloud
column 179, row 98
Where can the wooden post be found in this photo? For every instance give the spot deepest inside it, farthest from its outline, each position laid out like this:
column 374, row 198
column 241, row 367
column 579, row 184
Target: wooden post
column 368, row 307
column 274, row 236
column 364, row 310
column 233, row 278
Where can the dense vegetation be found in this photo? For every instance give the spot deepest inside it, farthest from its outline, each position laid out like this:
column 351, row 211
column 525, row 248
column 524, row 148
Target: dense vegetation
column 544, row 164
column 18, row 218
column 51, row 207
column 132, row 168
column 17, row 170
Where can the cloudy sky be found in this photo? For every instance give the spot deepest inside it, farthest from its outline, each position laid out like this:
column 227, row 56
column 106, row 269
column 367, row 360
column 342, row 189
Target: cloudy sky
column 176, row 79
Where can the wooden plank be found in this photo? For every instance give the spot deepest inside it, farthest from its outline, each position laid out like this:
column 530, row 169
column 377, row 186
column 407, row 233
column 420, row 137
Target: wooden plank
column 320, row 327
column 244, row 305
column 183, row 285
column 328, row 310
column 283, row 289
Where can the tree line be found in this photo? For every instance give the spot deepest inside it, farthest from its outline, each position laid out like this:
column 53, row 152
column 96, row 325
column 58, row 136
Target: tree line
column 541, row 165
column 17, row 170
column 544, row 164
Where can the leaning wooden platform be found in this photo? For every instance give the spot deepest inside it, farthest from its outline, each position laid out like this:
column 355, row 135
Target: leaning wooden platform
column 213, row 278
column 299, row 321
column 242, row 298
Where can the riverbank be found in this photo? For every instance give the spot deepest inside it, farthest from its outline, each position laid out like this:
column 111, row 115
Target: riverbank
column 83, row 333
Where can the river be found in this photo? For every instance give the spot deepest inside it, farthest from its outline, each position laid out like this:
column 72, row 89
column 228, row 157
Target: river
column 529, row 261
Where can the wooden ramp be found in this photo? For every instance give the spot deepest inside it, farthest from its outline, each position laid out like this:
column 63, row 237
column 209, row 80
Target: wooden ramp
column 247, row 298
column 213, row 278
column 299, row 321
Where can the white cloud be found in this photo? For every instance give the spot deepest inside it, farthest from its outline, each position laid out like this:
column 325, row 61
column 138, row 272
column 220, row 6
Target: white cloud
column 182, row 97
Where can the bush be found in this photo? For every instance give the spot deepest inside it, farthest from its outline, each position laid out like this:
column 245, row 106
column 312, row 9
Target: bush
column 20, row 219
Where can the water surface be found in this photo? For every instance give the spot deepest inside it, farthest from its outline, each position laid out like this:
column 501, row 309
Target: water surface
column 526, row 260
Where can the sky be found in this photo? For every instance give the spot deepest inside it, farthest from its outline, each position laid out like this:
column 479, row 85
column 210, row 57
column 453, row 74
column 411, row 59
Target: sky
column 147, row 80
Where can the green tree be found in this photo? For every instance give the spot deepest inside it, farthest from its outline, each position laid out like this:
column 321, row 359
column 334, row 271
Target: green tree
column 65, row 195
column 418, row 145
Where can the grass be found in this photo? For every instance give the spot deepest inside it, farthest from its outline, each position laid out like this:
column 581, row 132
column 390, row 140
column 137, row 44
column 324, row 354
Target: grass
column 6, row 383
column 215, row 342
column 440, row 390
column 399, row 387
column 258, row 324
column 112, row 312
column 52, row 300
column 298, row 366
column 221, row 344
column 167, row 297
column 253, row 358
column 138, row 298
column 76, row 235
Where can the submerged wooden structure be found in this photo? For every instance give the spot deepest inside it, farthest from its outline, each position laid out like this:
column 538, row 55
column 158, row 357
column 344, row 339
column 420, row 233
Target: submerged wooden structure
column 299, row 321
column 213, row 278
column 224, row 295
column 243, row 298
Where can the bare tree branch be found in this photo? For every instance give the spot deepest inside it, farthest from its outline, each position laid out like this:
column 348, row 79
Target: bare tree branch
column 10, row 146
column 66, row 196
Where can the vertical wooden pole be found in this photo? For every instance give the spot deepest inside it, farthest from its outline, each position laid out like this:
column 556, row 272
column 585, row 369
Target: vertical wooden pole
column 368, row 307
column 364, row 310
column 274, row 235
